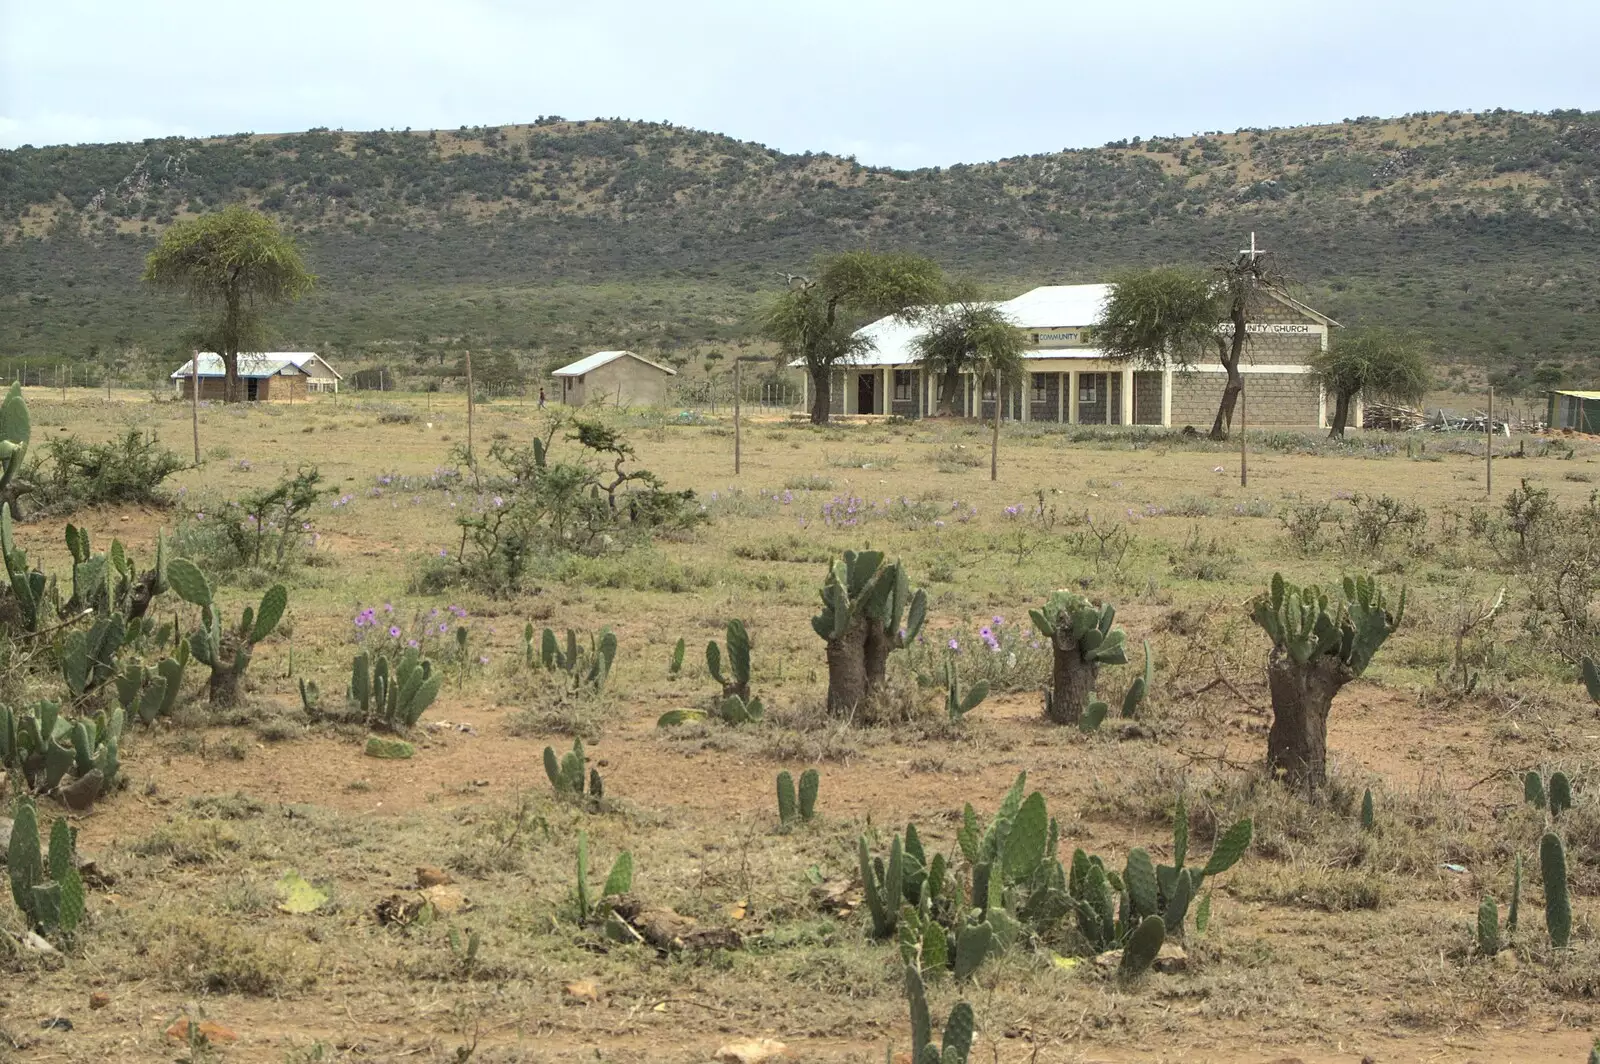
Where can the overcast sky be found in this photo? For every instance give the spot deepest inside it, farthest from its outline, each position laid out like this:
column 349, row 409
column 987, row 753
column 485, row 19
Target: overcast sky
column 894, row 83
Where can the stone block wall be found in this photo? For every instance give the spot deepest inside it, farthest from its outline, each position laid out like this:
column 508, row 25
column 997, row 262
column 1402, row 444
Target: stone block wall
column 1146, row 397
column 1283, row 400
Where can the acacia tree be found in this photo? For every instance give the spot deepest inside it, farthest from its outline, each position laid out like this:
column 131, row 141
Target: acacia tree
column 997, row 358
column 1377, row 362
column 951, row 335
column 815, row 319
column 1171, row 316
column 238, row 261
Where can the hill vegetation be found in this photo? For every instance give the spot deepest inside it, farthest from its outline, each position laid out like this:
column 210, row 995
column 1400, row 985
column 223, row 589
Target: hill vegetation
column 548, row 239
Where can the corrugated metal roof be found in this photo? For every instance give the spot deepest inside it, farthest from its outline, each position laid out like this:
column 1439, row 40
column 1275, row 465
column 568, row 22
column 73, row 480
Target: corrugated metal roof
column 1577, row 395
column 253, row 364
column 1052, row 306
column 1058, row 306
column 593, row 362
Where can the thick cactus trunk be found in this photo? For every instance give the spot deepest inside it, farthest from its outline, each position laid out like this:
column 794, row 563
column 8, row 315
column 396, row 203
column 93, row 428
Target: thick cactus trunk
column 1071, row 681
column 1297, row 744
column 224, row 685
column 224, row 688
column 875, row 655
column 847, row 670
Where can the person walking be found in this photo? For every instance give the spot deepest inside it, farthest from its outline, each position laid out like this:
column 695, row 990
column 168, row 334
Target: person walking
column 541, row 398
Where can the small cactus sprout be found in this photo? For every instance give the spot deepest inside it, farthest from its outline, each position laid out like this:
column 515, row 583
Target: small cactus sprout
column 1560, row 793
column 882, row 885
column 735, row 710
column 956, row 1044
column 567, row 777
column 675, row 662
column 393, row 696
column 225, row 651
column 1516, row 896
column 957, row 705
column 1139, row 689
column 809, row 782
column 1488, row 927
column 1094, row 714
column 788, row 807
column 736, row 680
column 46, row 887
column 618, row 881
column 1368, row 814
column 1557, row 904
column 1533, row 789
column 1591, row 679
column 310, row 697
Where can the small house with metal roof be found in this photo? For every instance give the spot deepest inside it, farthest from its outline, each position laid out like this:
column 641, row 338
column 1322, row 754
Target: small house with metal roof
column 265, row 376
column 1575, row 411
column 621, row 378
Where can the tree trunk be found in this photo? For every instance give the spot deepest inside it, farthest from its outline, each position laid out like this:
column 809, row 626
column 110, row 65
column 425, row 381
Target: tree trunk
column 821, row 394
column 1297, row 744
column 847, row 670
column 1341, row 413
column 1229, row 353
column 230, row 376
column 1230, row 398
column 994, row 439
column 949, row 385
column 1071, row 681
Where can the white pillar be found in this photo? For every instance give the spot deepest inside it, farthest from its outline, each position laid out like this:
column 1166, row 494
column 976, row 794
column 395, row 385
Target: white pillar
column 1166, row 397
column 805, row 391
column 1127, row 397
column 1072, row 398
column 1061, row 397
column 1027, row 396
column 1322, row 407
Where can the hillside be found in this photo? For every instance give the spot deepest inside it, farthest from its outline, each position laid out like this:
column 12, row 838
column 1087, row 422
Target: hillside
column 560, row 235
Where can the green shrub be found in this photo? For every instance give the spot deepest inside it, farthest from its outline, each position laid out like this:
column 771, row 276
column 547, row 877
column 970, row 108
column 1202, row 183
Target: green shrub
column 127, row 470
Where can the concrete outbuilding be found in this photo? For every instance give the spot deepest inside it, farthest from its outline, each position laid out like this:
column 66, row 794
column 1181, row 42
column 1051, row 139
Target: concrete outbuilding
column 621, row 378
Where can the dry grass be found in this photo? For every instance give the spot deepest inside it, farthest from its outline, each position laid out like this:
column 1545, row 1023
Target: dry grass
column 1325, row 936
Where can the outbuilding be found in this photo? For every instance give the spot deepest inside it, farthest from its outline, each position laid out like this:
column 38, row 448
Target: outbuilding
column 264, row 376
column 619, row 377
column 1577, row 411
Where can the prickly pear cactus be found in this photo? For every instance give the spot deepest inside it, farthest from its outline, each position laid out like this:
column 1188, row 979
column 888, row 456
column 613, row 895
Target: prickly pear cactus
column 1557, row 903
column 1319, row 644
column 810, row 781
column 736, row 679
column 1082, row 638
column 1142, row 947
column 868, row 611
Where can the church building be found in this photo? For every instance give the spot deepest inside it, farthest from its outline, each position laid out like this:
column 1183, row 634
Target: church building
column 1068, row 380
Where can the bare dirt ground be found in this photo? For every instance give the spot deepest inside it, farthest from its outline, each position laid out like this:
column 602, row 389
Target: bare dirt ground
column 1327, row 944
